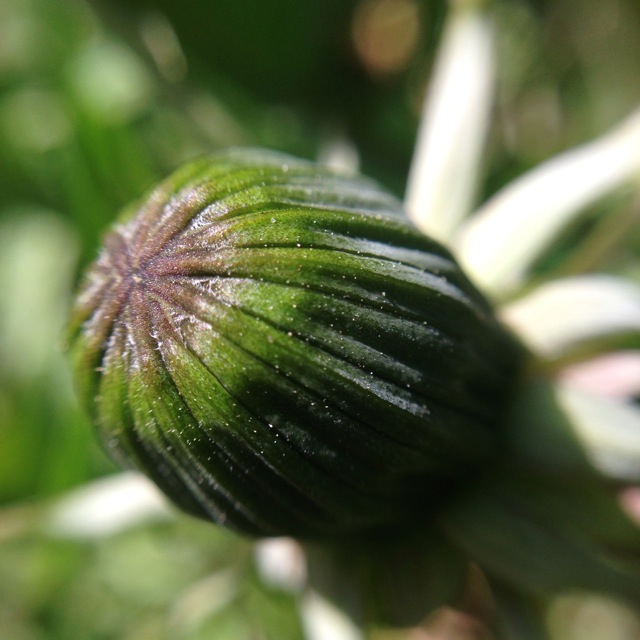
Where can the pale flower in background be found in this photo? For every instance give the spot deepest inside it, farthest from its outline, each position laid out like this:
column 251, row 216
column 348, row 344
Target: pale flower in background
column 572, row 324
column 566, row 322
column 575, row 326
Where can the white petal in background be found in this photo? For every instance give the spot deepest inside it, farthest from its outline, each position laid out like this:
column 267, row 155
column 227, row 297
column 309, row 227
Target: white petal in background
column 560, row 315
column 281, row 563
column 108, row 506
column 322, row 620
column 454, row 124
column 609, row 430
column 511, row 231
column 615, row 375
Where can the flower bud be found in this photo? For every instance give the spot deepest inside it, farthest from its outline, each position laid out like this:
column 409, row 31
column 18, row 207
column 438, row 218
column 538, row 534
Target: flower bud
column 278, row 348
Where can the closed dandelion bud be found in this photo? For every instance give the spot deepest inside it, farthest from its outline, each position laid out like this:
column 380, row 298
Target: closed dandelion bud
column 282, row 352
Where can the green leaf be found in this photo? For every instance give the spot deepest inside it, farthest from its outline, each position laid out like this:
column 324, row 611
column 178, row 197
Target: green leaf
column 392, row 578
column 542, row 535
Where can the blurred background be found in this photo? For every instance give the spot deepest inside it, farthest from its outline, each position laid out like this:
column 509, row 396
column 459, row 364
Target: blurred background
column 98, row 101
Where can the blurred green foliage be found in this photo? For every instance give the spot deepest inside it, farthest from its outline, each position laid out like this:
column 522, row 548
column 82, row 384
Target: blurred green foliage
column 98, row 101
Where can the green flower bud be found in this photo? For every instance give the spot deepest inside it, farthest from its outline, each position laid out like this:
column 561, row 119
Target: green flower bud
column 282, row 352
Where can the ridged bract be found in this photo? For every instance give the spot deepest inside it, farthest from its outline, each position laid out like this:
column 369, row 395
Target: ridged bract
column 282, row 352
